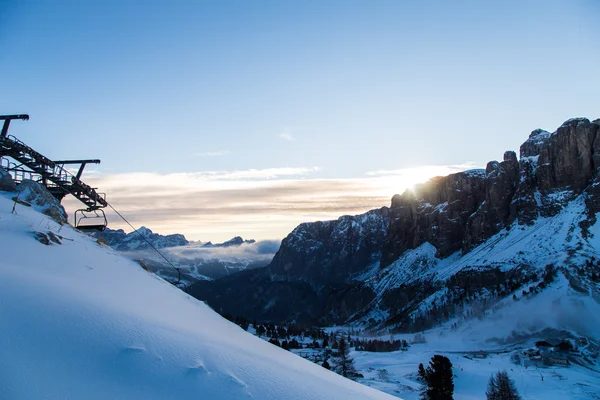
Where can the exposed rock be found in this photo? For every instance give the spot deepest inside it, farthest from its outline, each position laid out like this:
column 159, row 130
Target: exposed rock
column 532, row 146
column 555, row 168
column 40, row 199
column 566, row 158
column 495, row 212
column 436, row 212
column 42, row 238
column 331, row 252
column 511, row 157
column 54, row 237
column 47, row 238
column 7, row 183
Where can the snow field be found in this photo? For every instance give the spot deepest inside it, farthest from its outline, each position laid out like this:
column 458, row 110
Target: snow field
column 82, row 322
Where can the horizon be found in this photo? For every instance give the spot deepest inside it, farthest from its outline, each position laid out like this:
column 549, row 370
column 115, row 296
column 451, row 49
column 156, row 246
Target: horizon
column 245, row 119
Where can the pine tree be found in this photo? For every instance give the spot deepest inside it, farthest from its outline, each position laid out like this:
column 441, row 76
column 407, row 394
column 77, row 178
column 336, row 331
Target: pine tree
column 344, row 362
column 501, row 387
column 422, row 374
column 438, row 379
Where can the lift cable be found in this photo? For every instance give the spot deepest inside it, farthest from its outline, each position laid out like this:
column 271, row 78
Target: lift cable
column 178, row 282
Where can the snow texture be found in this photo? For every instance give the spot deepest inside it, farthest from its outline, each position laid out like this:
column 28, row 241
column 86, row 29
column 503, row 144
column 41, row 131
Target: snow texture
column 82, row 322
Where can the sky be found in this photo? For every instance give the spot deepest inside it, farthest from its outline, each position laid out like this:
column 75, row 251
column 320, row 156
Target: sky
column 223, row 118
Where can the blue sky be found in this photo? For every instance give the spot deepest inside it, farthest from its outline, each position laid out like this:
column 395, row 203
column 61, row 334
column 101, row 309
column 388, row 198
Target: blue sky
column 305, row 90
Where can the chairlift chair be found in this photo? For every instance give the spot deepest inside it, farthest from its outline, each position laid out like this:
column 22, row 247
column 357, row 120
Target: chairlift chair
column 90, row 219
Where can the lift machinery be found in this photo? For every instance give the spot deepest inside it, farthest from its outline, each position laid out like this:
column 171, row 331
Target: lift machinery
column 23, row 162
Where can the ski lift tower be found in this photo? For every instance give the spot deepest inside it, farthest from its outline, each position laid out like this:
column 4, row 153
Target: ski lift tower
column 22, row 162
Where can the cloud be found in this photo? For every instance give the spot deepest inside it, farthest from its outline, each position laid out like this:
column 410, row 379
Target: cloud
column 258, row 251
column 267, row 173
column 212, row 262
column 212, row 153
column 255, row 203
column 286, row 136
column 425, row 170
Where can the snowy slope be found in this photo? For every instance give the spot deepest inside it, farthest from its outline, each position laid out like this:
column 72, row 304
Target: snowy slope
column 82, row 322
column 548, row 240
column 556, row 240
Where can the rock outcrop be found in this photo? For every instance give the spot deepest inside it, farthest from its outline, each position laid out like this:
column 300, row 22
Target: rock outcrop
column 38, row 196
column 460, row 211
column 7, row 183
column 33, row 194
column 436, row 212
column 494, row 212
column 332, row 252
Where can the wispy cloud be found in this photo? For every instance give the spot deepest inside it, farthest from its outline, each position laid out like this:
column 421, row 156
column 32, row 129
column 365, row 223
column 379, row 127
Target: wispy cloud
column 286, row 135
column 425, row 170
column 255, row 203
column 266, row 173
column 213, row 153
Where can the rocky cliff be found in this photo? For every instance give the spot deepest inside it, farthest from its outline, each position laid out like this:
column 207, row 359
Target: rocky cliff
column 332, row 252
column 471, row 235
column 461, row 210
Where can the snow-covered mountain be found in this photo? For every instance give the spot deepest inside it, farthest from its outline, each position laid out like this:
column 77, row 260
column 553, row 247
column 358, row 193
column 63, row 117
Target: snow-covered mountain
column 80, row 321
column 201, row 262
column 119, row 240
column 456, row 247
column 196, row 260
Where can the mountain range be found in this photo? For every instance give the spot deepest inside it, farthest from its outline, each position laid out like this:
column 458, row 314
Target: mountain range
column 140, row 240
column 453, row 248
column 196, row 260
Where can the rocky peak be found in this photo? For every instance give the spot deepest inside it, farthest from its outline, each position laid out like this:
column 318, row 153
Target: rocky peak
column 328, row 252
column 532, row 146
column 145, row 231
column 462, row 210
column 566, row 158
column 235, row 241
column 436, row 213
column 510, row 157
